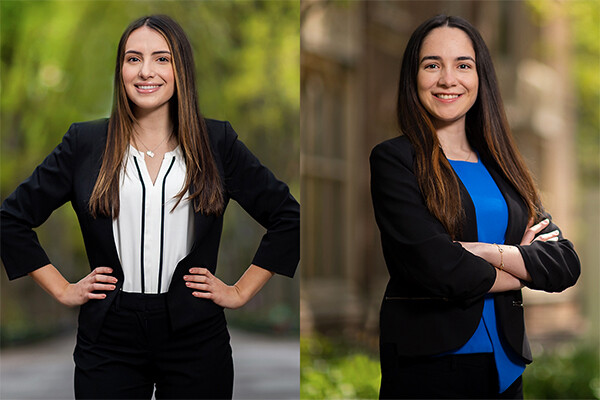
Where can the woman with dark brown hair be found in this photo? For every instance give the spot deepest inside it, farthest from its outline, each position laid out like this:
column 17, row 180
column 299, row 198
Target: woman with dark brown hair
column 149, row 186
column 462, row 227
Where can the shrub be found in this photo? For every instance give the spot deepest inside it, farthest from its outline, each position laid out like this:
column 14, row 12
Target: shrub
column 336, row 371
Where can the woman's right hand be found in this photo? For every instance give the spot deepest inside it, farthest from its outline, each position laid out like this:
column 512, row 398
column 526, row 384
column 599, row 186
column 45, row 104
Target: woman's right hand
column 532, row 230
column 76, row 294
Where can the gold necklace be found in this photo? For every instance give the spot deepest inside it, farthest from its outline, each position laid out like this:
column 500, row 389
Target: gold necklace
column 465, row 160
column 468, row 157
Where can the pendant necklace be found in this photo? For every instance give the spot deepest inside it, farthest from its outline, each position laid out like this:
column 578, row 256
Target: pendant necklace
column 151, row 152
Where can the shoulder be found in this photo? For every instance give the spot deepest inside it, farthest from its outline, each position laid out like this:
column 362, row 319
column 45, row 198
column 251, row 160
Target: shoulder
column 91, row 127
column 89, row 132
column 214, row 125
column 83, row 139
column 395, row 150
column 218, row 130
column 220, row 133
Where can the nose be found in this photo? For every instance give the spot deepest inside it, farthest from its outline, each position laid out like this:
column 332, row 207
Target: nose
column 447, row 77
column 146, row 70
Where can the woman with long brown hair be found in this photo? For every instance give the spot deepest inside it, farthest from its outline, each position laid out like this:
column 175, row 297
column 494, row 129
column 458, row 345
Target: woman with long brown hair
column 462, row 227
column 150, row 186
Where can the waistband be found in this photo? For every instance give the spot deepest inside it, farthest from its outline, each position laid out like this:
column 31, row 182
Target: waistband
column 141, row 302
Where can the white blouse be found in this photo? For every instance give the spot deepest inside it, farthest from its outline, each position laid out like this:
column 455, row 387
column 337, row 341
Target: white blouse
column 151, row 238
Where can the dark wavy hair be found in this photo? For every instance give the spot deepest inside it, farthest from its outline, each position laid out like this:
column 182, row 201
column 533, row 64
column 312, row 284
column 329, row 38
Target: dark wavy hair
column 486, row 125
column 202, row 176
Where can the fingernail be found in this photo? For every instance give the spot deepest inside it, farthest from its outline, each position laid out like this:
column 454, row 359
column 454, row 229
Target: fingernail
column 545, row 221
column 188, row 283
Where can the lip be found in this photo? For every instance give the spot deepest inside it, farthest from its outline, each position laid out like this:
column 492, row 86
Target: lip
column 146, row 88
column 447, row 97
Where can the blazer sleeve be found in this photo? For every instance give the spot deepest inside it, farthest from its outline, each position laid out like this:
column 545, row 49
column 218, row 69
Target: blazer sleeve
column 553, row 265
column 48, row 187
column 414, row 240
column 268, row 201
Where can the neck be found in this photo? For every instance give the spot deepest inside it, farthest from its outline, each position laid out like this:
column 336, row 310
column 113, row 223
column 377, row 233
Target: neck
column 153, row 125
column 453, row 139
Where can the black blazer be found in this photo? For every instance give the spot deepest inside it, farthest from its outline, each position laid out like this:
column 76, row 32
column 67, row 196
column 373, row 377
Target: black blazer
column 69, row 174
column 434, row 299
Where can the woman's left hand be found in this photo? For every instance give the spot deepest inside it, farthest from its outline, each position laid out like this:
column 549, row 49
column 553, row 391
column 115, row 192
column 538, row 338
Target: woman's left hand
column 208, row 286
column 532, row 230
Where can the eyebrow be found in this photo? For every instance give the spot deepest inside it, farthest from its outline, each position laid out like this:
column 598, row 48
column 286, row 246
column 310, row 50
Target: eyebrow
column 154, row 53
column 438, row 58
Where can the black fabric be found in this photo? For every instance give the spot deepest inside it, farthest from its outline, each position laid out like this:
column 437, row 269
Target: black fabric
column 137, row 349
column 434, row 299
column 69, row 174
column 143, row 228
column 455, row 376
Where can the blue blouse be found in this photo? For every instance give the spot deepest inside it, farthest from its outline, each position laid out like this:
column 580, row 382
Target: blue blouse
column 492, row 220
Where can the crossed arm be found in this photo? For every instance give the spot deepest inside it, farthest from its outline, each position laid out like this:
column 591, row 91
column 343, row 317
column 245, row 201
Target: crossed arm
column 513, row 270
column 415, row 241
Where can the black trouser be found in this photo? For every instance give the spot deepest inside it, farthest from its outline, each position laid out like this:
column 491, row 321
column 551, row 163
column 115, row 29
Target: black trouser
column 137, row 350
column 454, row 376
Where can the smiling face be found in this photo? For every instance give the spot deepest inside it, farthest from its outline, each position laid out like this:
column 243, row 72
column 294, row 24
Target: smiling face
column 447, row 80
column 147, row 71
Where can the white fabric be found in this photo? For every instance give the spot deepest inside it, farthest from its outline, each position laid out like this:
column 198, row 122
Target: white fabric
column 127, row 228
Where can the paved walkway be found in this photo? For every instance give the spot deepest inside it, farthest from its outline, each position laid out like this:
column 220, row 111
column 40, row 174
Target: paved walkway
column 265, row 368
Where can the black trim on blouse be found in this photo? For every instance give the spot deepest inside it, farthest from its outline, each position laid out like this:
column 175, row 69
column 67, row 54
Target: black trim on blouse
column 143, row 221
column 162, row 225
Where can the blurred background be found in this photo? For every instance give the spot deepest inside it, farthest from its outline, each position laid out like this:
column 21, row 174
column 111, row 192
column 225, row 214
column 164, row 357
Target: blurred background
column 547, row 57
column 57, row 66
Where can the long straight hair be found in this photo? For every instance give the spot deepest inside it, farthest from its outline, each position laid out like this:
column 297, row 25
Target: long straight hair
column 486, row 125
column 202, row 176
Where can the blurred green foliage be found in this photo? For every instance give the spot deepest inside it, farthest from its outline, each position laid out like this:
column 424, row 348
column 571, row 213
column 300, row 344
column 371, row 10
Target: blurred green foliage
column 330, row 369
column 335, row 370
column 568, row 372
column 57, row 67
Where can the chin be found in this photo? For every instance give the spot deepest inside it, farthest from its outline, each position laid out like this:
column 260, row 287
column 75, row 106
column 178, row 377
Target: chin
column 148, row 106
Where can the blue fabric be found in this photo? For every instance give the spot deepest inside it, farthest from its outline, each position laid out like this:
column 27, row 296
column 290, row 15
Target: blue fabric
column 492, row 219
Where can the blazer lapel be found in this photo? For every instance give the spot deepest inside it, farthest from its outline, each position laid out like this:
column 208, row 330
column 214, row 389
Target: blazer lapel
column 202, row 225
column 104, row 226
column 517, row 212
column 468, row 231
column 104, row 252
